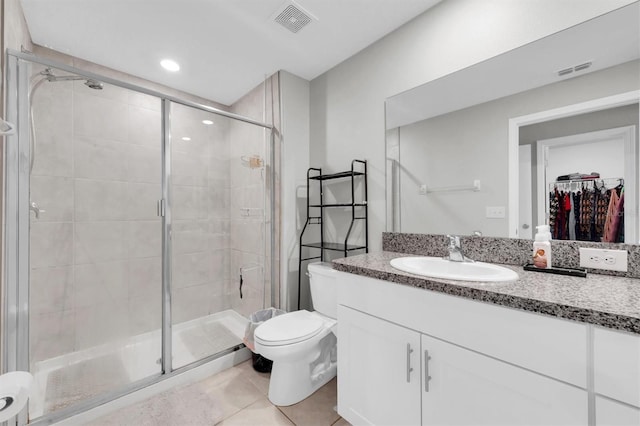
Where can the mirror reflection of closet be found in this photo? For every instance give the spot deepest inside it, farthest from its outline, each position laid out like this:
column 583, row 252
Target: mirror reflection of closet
column 577, row 163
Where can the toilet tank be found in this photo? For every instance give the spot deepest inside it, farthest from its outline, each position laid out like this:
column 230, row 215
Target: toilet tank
column 324, row 289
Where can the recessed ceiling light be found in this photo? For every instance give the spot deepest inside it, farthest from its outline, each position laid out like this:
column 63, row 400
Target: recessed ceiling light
column 207, row 122
column 170, row 65
column 186, row 138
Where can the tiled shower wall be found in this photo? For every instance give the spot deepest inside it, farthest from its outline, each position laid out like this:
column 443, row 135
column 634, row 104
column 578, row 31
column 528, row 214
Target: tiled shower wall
column 95, row 251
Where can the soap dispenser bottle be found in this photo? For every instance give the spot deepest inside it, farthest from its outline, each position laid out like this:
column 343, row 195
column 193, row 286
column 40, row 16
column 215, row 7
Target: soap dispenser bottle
column 542, row 247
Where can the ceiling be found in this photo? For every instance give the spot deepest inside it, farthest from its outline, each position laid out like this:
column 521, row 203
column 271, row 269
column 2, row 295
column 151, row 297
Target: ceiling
column 225, row 47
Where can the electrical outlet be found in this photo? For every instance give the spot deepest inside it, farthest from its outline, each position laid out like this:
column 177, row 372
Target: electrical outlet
column 496, row 212
column 612, row 260
column 423, row 189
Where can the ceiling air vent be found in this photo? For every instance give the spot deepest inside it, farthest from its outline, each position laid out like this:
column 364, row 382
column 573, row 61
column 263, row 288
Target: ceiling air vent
column 293, row 17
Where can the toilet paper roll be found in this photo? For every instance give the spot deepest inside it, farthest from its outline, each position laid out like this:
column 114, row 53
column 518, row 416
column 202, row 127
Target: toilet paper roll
column 15, row 389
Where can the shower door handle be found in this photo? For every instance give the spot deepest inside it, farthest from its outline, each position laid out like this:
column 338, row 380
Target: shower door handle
column 160, row 208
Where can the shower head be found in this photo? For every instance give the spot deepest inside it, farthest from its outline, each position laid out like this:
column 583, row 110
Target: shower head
column 51, row 77
column 94, row 84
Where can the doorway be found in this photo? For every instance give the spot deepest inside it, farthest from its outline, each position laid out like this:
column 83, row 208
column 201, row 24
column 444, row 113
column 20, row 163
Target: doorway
column 610, row 155
column 517, row 124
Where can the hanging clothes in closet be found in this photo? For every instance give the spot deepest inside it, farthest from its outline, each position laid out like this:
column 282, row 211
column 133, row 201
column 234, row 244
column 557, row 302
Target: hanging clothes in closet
column 587, row 210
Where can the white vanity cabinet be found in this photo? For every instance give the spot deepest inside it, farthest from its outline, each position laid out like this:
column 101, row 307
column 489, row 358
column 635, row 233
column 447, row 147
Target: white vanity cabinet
column 468, row 388
column 379, row 380
column 487, row 364
column 392, row 375
column 616, row 367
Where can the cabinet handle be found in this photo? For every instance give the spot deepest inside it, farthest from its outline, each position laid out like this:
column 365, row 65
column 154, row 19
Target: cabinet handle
column 427, row 377
column 409, row 369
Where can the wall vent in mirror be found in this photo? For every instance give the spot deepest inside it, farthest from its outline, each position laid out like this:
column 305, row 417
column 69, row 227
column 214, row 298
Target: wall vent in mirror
column 565, row 71
column 576, row 68
column 582, row 66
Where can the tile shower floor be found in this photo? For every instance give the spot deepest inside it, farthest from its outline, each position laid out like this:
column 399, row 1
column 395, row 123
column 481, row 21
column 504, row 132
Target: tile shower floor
column 237, row 396
column 74, row 377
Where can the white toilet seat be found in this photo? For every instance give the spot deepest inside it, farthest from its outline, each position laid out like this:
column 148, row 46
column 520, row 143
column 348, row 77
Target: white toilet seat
column 302, row 344
column 290, row 328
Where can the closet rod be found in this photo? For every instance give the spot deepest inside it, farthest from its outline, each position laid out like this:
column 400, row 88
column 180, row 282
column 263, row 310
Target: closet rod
column 576, row 183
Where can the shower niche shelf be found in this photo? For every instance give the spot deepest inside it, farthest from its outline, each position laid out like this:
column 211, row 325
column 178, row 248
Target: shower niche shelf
column 316, row 214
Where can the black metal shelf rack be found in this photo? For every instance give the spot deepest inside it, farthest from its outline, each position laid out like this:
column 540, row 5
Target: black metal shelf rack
column 359, row 211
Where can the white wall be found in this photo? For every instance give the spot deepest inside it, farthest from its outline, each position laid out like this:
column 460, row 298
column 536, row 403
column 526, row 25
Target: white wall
column 347, row 102
column 295, row 162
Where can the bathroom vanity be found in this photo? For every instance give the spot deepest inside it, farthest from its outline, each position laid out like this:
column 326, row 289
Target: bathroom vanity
column 545, row 349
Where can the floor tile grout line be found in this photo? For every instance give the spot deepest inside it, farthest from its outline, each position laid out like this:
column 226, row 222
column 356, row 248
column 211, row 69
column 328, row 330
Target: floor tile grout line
column 284, row 414
column 246, row 380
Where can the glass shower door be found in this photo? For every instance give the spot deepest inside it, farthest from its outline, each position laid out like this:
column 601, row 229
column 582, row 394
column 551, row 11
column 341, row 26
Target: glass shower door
column 219, row 232
column 95, row 280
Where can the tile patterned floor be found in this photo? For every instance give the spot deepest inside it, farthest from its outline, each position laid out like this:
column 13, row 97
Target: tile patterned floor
column 237, row 396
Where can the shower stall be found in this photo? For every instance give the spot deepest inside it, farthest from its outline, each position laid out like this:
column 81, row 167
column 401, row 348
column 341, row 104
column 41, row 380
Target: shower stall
column 138, row 234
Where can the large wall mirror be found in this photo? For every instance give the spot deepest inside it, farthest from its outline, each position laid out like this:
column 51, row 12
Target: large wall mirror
column 546, row 133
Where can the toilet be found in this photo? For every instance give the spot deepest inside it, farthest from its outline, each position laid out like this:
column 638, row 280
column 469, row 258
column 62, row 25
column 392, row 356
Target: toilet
column 302, row 344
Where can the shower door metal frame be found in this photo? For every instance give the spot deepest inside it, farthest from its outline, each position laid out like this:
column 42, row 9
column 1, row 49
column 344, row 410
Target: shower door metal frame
column 164, row 210
column 15, row 288
column 15, row 344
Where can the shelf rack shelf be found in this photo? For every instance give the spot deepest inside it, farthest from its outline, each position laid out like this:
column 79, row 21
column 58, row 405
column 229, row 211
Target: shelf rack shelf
column 338, row 175
column 359, row 211
column 334, row 246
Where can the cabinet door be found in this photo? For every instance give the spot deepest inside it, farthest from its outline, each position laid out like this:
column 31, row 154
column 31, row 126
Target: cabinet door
column 378, row 370
column 616, row 361
column 467, row 388
column 612, row 413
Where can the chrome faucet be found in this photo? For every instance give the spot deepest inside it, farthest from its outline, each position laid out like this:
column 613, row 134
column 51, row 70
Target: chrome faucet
column 455, row 251
column 33, row 206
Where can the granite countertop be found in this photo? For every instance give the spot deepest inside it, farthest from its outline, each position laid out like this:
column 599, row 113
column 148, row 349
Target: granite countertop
column 608, row 301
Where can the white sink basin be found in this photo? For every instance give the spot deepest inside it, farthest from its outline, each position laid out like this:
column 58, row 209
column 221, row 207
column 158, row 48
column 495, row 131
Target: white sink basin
column 437, row 267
